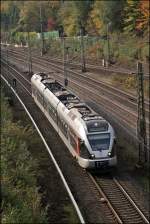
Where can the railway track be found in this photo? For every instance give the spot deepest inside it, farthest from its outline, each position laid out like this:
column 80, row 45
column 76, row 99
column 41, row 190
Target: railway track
column 117, row 203
column 25, row 93
column 118, row 200
column 91, row 65
column 120, row 105
column 75, row 173
column 102, row 86
column 102, row 100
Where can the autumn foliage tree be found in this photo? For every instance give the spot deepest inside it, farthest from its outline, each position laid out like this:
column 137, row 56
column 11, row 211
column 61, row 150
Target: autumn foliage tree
column 131, row 16
column 51, row 24
column 94, row 23
column 137, row 16
column 142, row 22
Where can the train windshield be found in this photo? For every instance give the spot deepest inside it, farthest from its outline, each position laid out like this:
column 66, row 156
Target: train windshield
column 99, row 142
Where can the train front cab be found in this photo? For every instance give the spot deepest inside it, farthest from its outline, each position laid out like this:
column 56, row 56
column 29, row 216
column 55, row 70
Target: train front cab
column 91, row 160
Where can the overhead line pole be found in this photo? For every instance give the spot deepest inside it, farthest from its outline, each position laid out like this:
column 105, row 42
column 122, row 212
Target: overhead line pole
column 42, row 34
column 82, row 48
column 64, row 58
column 108, row 44
column 62, row 36
column 141, row 123
column 29, row 54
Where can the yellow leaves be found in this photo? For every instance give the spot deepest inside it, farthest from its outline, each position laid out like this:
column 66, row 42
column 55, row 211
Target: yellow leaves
column 70, row 26
column 94, row 21
column 143, row 20
column 144, row 6
column 137, row 19
column 130, row 2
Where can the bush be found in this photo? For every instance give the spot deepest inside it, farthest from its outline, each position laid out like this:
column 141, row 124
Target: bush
column 129, row 82
column 21, row 201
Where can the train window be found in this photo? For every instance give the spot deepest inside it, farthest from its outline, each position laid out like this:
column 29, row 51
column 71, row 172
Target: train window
column 52, row 112
column 40, row 97
column 97, row 126
column 63, row 126
column 84, row 151
column 55, row 116
column 45, row 104
column 99, row 142
column 73, row 140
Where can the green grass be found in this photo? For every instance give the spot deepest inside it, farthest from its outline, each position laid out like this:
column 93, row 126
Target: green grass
column 71, row 216
column 128, row 158
column 129, row 83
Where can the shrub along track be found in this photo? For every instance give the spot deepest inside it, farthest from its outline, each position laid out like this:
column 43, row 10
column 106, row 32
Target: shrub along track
column 94, row 200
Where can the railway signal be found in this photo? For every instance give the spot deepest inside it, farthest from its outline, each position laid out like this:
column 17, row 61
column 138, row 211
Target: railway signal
column 141, row 124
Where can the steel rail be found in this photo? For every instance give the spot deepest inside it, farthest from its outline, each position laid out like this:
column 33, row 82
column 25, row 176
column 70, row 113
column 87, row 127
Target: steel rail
column 128, row 95
column 124, row 118
column 113, row 68
column 122, row 107
column 124, row 192
column 79, row 214
column 111, row 88
column 106, row 199
column 15, row 71
column 20, row 82
column 131, row 201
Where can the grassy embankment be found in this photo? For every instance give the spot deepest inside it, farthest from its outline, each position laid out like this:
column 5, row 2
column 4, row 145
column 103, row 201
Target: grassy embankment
column 21, row 200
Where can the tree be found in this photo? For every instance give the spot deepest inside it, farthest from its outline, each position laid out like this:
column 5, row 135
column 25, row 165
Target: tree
column 29, row 17
column 82, row 9
column 94, row 22
column 9, row 14
column 112, row 12
column 142, row 23
column 104, row 13
column 68, row 17
column 132, row 14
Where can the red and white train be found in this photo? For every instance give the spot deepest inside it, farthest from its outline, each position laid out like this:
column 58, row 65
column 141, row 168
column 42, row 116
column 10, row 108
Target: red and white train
column 87, row 135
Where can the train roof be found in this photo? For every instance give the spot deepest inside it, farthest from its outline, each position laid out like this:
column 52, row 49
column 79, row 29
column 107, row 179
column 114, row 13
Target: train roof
column 73, row 103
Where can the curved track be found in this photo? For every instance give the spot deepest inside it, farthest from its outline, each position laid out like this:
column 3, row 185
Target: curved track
column 119, row 95
column 120, row 105
column 122, row 207
column 27, row 90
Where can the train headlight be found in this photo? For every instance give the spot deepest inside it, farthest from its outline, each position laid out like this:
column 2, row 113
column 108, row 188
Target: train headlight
column 92, row 156
column 109, row 154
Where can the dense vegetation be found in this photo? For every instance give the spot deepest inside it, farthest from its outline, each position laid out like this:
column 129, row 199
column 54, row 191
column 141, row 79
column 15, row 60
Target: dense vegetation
column 122, row 16
column 126, row 21
column 21, row 202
